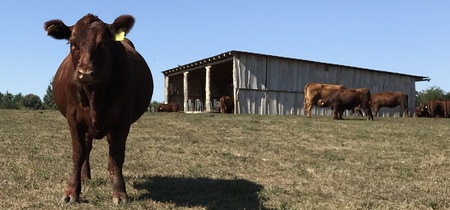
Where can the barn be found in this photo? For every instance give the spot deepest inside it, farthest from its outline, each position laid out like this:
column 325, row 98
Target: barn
column 268, row 84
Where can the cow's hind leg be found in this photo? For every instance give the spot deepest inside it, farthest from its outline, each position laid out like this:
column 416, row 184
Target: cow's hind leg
column 116, row 141
column 375, row 111
column 405, row 112
column 368, row 112
column 307, row 104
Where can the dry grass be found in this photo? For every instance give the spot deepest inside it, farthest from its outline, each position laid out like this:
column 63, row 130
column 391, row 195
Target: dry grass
column 215, row 161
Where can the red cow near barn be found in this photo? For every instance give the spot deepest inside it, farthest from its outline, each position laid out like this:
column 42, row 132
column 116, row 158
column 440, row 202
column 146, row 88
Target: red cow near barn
column 315, row 91
column 101, row 87
column 439, row 108
column 226, row 105
column 170, row 107
column 390, row 100
column 348, row 99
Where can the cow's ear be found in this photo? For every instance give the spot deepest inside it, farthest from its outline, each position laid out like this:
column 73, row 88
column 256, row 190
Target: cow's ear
column 121, row 26
column 57, row 29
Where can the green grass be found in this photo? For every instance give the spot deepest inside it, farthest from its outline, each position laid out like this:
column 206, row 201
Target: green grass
column 217, row 161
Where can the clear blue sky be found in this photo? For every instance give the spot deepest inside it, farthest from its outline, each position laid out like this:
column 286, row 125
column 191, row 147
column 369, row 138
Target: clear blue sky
column 411, row 37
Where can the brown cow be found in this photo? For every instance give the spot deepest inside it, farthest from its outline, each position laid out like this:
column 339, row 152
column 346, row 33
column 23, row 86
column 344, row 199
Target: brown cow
column 422, row 111
column 348, row 99
column 439, row 108
column 390, row 100
column 170, row 107
column 315, row 91
column 226, row 105
column 101, row 87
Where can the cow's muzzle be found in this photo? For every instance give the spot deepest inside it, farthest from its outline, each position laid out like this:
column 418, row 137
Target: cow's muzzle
column 85, row 76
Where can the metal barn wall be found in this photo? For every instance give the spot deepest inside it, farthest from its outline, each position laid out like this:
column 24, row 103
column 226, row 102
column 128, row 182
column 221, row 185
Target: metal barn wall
column 274, row 85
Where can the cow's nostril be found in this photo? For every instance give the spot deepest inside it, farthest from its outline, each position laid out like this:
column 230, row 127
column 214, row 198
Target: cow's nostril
column 85, row 75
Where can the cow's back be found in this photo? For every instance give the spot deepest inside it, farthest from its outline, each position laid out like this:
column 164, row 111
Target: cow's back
column 318, row 90
column 390, row 99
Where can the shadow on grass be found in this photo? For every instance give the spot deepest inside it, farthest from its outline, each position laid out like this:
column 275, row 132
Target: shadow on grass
column 204, row 192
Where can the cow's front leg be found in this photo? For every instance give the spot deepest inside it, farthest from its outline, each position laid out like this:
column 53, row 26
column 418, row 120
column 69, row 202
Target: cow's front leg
column 86, row 169
column 73, row 190
column 116, row 141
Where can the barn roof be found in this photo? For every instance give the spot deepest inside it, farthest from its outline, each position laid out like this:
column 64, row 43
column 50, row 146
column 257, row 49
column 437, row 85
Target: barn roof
column 227, row 56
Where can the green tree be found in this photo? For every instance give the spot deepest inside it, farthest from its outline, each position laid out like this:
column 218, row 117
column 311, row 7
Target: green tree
column 431, row 93
column 8, row 101
column 48, row 102
column 32, row 101
column 17, row 100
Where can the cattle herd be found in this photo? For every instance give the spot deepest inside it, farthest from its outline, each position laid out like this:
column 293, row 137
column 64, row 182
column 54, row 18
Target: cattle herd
column 340, row 98
column 434, row 108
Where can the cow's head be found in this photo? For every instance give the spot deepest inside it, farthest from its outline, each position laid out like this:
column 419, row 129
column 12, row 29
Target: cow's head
column 321, row 102
column 90, row 42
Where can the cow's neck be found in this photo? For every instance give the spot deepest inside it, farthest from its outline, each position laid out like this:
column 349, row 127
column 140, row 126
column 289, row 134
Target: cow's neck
column 90, row 98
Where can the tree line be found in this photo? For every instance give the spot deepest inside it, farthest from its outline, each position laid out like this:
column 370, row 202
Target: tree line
column 32, row 101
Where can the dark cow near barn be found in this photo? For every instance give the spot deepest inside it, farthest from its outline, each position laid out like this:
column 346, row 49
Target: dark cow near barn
column 390, row 100
column 422, row 111
column 439, row 108
column 348, row 99
column 101, row 87
column 170, row 107
column 316, row 91
column 226, row 104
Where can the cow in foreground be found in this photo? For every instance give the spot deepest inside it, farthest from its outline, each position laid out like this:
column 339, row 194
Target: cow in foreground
column 348, row 99
column 169, row 107
column 226, row 105
column 390, row 100
column 316, row 91
column 101, row 87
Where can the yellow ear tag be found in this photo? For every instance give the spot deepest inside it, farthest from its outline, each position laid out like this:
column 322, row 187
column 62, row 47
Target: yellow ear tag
column 51, row 29
column 120, row 35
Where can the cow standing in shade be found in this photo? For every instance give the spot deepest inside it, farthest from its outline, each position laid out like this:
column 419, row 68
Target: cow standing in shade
column 170, row 107
column 390, row 100
column 316, row 91
column 226, row 105
column 101, row 87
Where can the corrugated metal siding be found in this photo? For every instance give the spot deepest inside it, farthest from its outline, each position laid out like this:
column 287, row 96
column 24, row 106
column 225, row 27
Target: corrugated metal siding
column 273, row 85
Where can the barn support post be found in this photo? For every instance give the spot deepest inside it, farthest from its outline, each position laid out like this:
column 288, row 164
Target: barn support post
column 166, row 89
column 235, row 86
column 186, row 91
column 208, row 89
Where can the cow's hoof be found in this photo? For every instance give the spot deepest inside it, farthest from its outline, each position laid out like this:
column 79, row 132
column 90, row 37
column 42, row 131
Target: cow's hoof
column 70, row 199
column 121, row 199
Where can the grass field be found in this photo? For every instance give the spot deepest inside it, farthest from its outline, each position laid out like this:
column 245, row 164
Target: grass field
column 216, row 161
